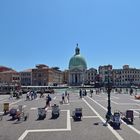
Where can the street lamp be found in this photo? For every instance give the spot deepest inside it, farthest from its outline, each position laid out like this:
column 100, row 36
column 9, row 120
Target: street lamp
column 109, row 88
column 83, row 78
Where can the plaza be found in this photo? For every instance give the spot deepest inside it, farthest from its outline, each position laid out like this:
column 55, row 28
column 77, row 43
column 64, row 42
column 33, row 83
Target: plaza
column 64, row 127
column 95, row 108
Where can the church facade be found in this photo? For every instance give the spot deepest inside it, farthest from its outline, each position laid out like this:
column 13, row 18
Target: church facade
column 77, row 69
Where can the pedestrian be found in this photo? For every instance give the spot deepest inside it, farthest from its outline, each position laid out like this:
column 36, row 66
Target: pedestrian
column 17, row 95
column 48, row 100
column 11, row 95
column 131, row 91
column 41, row 94
column 91, row 92
column 35, row 94
column 20, row 93
column 63, row 98
column 32, row 95
column 96, row 91
column 68, row 97
column 126, row 90
column 80, row 93
column 85, row 92
column 28, row 95
column 65, row 93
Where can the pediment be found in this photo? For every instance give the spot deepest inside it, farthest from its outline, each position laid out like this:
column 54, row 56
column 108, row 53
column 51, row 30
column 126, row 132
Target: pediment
column 76, row 70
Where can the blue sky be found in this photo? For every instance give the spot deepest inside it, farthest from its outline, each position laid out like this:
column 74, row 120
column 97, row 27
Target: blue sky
column 46, row 32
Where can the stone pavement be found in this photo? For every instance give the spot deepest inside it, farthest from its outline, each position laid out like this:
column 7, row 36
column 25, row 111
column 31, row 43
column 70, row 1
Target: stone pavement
column 64, row 127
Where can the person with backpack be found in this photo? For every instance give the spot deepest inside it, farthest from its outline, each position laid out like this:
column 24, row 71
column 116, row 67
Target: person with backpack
column 48, row 100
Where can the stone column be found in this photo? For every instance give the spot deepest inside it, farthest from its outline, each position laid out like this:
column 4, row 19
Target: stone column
column 74, row 78
column 71, row 78
column 79, row 78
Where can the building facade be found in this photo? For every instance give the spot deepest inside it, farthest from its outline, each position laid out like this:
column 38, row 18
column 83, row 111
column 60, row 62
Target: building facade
column 3, row 68
column 77, row 69
column 91, row 76
column 55, row 77
column 42, row 75
column 65, row 76
column 126, row 76
column 26, row 77
column 10, row 77
column 105, row 73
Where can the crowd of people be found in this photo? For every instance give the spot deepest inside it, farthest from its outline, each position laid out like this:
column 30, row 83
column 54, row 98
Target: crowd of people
column 83, row 92
column 97, row 91
column 65, row 97
column 31, row 95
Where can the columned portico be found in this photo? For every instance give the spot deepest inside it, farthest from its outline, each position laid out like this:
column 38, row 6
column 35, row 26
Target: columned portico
column 75, row 78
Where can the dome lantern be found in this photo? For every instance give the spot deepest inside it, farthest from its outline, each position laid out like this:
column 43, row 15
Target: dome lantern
column 77, row 50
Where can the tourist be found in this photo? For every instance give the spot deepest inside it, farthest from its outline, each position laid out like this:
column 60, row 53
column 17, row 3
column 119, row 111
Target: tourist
column 65, row 93
column 91, row 92
column 11, row 95
column 131, row 91
column 85, row 92
column 35, row 94
column 68, row 97
column 28, row 96
column 80, row 93
column 63, row 98
column 48, row 100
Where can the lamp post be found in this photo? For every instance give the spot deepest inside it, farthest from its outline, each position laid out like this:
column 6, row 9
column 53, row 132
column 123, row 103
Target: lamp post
column 109, row 88
column 83, row 78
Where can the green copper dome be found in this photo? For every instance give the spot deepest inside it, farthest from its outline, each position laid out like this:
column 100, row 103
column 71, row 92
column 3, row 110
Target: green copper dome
column 77, row 61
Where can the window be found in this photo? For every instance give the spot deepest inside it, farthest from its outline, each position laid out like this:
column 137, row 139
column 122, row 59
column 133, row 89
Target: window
column 39, row 75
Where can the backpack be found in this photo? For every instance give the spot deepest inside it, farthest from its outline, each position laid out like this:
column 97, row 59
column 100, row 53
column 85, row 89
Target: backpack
column 50, row 98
